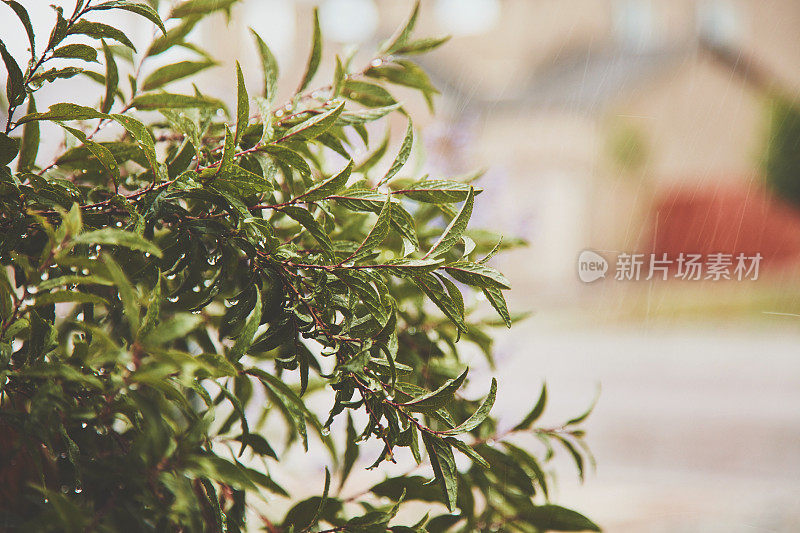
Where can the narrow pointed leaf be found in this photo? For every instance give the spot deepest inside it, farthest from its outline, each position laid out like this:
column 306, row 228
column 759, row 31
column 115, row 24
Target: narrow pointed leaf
column 452, row 234
column 536, row 412
column 316, row 125
column 174, row 72
column 330, row 186
column 377, row 234
column 245, row 338
column 243, row 104
column 316, row 55
column 402, row 156
column 444, row 467
column 438, row 398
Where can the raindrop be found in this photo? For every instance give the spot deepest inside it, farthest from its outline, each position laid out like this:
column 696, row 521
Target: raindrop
column 376, row 62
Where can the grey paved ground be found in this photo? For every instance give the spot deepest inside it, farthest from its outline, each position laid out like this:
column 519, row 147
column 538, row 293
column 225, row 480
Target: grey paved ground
column 697, row 429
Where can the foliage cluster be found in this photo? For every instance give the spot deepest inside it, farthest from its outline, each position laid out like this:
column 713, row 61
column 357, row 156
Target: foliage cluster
column 181, row 279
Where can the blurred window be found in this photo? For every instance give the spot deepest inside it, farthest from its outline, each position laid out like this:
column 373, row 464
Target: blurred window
column 468, row 17
column 635, row 24
column 349, row 21
column 719, row 22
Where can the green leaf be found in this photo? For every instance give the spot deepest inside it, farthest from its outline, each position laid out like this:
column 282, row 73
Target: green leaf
column 245, row 338
column 103, row 155
column 240, row 182
column 400, row 38
column 239, row 410
column 152, row 316
column 402, row 156
column 367, row 94
column 288, row 157
column 134, row 7
column 174, row 72
column 59, row 30
column 151, row 101
column 378, row 305
column 350, row 452
column 270, row 66
column 200, row 7
column 117, row 237
column 243, row 104
column 478, row 416
column 23, row 16
column 330, row 186
column 316, row 54
column 554, row 518
column 112, row 79
column 377, row 234
column 444, row 467
column 438, row 398
column 438, row 191
column 48, row 298
column 72, row 279
column 9, row 148
column 98, row 30
column 127, row 292
column 498, row 301
column 77, row 51
column 583, row 416
column 351, row 118
column 421, row 46
column 292, row 402
column 475, row 274
column 537, row 411
column 432, row 287
column 54, row 74
column 468, row 451
column 141, row 134
column 64, row 111
column 173, row 37
column 452, row 234
column 219, row 469
column 316, row 125
column 228, row 152
column 322, row 502
column 29, row 147
column 408, row 74
column 176, row 327
column 306, row 219
column 15, row 88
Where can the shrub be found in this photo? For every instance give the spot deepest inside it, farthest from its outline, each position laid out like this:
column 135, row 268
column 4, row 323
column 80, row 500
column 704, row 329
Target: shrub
column 180, row 281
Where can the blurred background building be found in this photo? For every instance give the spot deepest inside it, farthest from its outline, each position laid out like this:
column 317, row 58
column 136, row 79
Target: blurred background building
column 661, row 126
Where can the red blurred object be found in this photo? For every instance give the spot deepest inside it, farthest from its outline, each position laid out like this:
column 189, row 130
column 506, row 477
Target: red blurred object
column 743, row 218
